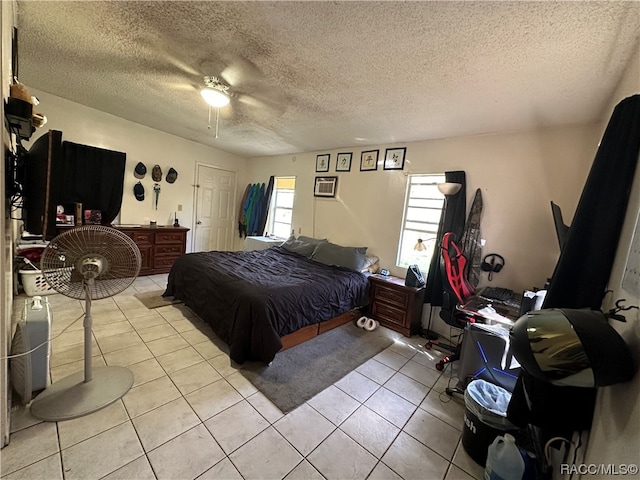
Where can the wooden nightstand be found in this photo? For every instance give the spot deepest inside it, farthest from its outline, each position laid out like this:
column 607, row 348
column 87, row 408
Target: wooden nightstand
column 395, row 305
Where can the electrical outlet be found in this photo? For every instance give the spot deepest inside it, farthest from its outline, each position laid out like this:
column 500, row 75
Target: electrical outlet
column 483, row 242
column 179, row 207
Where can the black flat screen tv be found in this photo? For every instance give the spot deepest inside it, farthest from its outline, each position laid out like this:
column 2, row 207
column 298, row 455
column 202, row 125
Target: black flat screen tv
column 42, row 170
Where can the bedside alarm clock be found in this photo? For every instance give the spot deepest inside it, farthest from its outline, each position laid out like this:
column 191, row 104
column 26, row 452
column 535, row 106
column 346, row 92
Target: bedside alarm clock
column 384, row 272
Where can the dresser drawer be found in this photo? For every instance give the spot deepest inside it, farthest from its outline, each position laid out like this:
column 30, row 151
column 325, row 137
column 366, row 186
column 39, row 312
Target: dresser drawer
column 169, row 237
column 141, row 237
column 392, row 296
column 174, row 250
column 388, row 313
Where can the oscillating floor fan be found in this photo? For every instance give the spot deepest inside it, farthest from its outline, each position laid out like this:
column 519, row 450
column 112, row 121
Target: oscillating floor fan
column 90, row 263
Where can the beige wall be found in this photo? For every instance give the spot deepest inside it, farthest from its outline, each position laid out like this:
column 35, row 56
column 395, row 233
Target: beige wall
column 615, row 433
column 518, row 174
column 88, row 126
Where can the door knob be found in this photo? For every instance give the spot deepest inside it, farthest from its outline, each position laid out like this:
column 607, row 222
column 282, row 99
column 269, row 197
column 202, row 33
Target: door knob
column 198, row 222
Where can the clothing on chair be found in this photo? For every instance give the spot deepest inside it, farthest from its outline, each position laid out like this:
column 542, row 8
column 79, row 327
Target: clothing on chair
column 456, row 290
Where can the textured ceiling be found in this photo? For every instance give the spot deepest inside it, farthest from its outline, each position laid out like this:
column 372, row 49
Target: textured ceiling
column 321, row 75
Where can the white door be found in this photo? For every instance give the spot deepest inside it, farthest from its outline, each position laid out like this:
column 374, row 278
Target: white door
column 215, row 207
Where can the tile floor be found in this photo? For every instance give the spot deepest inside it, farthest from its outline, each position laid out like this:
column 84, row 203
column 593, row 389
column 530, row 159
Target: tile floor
column 191, row 414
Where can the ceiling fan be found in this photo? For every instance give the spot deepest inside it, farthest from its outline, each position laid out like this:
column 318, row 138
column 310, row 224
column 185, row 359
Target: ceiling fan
column 215, row 93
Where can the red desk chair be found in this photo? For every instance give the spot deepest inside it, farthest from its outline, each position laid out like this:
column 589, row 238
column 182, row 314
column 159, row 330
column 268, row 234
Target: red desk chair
column 456, row 290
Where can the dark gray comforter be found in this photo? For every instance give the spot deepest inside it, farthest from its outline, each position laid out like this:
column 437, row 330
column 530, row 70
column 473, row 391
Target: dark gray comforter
column 251, row 299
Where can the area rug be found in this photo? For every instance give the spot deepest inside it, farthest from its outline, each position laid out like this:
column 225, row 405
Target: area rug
column 299, row 373
column 155, row 299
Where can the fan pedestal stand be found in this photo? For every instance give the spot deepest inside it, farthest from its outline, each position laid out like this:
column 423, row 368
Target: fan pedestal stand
column 83, row 392
column 73, row 397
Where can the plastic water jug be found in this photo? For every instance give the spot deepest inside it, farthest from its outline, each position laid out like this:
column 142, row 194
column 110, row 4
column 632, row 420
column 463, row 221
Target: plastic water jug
column 504, row 461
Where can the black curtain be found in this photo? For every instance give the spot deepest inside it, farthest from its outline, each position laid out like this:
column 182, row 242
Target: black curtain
column 452, row 219
column 583, row 269
column 92, row 176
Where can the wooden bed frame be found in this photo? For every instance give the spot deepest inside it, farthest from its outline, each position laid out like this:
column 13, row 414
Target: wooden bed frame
column 311, row 331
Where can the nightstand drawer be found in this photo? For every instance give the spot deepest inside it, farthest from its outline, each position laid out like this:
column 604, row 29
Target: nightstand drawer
column 387, row 313
column 395, row 305
column 395, row 297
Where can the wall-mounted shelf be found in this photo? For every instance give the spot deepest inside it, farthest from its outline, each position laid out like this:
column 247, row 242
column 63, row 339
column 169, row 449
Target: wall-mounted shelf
column 19, row 116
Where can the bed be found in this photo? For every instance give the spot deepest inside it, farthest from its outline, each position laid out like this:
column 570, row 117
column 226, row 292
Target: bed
column 259, row 301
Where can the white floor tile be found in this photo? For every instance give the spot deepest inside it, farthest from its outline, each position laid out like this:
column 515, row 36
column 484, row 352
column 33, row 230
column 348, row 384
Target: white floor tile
column 139, row 469
column 49, row 468
column 266, row 408
column 390, row 406
column 194, row 377
column 357, row 385
column 445, row 407
column 433, row 432
column 382, row 472
column 213, row 399
column 236, row 425
column 100, row 455
column 255, row 459
column 150, row 395
column 419, row 373
column 146, row 371
column 164, row 423
column 224, row 469
column 187, row 456
column 183, row 358
column 29, row 446
column 456, row 473
column 376, row 371
column 76, row 430
column 304, row 471
column 304, row 428
column 407, row 388
column 370, row 430
column 341, row 457
column 334, row 404
column 411, row 459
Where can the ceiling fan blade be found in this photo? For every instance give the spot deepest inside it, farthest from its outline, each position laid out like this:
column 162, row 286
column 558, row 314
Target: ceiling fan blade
column 239, row 71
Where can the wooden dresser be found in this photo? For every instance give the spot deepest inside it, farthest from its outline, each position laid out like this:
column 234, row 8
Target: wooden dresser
column 395, row 305
column 159, row 246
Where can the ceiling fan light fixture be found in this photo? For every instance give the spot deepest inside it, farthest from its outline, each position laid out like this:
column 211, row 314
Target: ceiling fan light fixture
column 214, row 97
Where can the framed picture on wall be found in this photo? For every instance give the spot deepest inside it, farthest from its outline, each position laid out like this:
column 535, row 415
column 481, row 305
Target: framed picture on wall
column 322, row 163
column 394, row 158
column 325, row 187
column 343, row 162
column 369, row 160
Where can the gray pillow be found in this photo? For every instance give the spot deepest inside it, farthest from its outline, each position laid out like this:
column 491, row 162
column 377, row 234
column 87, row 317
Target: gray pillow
column 298, row 246
column 311, row 240
column 329, row 253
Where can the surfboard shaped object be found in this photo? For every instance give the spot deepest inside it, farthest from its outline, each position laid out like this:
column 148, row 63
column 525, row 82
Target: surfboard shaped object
column 471, row 240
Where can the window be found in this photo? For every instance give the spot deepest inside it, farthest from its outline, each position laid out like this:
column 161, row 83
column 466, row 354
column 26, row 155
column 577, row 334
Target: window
column 281, row 211
column 422, row 210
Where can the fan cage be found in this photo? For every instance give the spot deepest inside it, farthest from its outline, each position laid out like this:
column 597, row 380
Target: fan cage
column 62, row 258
